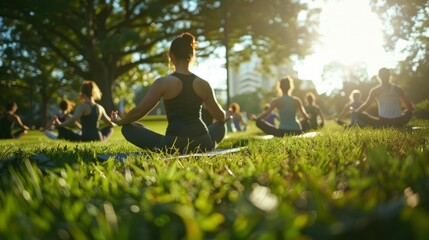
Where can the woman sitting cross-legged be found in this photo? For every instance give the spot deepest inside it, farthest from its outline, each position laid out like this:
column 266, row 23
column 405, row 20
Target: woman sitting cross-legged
column 90, row 113
column 183, row 94
column 287, row 106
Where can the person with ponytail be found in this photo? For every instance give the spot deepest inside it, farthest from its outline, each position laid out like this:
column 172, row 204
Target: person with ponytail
column 389, row 98
column 90, row 113
column 287, row 106
column 184, row 95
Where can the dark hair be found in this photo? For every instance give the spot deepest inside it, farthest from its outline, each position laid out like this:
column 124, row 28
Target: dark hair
column 183, row 47
column 310, row 97
column 9, row 105
column 235, row 107
column 384, row 74
column 66, row 105
column 286, row 84
column 90, row 89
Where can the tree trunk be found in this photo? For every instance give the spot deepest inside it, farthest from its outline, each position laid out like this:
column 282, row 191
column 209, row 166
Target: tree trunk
column 44, row 109
column 102, row 75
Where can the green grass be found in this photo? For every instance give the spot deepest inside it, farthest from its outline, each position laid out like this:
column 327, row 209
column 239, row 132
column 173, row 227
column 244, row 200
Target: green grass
column 341, row 184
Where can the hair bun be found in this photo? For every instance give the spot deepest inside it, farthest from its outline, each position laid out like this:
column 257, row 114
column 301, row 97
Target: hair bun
column 187, row 37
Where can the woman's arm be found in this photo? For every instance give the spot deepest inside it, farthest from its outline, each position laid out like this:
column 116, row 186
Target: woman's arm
column 368, row 101
column 106, row 119
column 18, row 120
column 300, row 108
column 343, row 112
column 267, row 112
column 71, row 120
column 145, row 106
column 404, row 99
column 210, row 101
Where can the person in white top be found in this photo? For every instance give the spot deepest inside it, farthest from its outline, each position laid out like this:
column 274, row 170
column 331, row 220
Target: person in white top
column 389, row 98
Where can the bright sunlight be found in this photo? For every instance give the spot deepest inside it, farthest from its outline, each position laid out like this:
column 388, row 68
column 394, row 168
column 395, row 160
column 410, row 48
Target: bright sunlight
column 350, row 33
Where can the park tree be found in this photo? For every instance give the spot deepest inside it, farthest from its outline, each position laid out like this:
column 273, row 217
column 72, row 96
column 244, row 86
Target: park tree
column 107, row 40
column 33, row 71
column 408, row 20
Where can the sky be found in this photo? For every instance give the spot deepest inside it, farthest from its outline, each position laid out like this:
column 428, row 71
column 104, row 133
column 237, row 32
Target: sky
column 350, row 32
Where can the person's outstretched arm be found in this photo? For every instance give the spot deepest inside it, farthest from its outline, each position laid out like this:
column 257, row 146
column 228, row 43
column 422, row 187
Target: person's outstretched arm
column 18, row 120
column 106, row 119
column 267, row 112
column 404, row 99
column 145, row 106
column 210, row 101
column 73, row 119
column 300, row 108
column 367, row 102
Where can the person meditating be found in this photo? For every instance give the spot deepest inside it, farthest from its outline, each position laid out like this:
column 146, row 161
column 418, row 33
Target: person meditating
column 183, row 94
column 90, row 113
column 389, row 98
column 287, row 106
column 8, row 120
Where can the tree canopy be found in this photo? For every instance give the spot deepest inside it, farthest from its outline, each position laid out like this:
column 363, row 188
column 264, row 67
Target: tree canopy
column 107, row 40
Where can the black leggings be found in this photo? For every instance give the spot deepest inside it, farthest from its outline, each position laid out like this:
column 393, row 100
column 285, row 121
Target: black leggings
column 144, row 138
column 68, row 134
column 270, row 129
column 379, row 122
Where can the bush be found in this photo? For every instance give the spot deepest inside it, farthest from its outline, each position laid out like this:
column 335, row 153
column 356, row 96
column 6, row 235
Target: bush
column 422, row 110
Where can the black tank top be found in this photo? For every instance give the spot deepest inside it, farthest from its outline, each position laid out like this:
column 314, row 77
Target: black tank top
column 5, row 126
column 184, row 110
column 90, row 125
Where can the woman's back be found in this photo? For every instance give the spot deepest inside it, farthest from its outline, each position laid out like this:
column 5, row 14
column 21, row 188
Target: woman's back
column 287, row 114
column 5, row 126
column 184, row 110
column 90, row 124
column 389, row 102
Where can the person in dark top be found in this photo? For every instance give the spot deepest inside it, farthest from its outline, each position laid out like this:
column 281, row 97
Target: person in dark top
column 183, row 94
column 314, row 111
column 7, row 121
column 63, row 114
column 90, row 113
column 349, row 109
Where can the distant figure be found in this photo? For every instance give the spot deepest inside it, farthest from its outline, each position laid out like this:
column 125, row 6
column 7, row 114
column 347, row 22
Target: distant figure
column 272, row 117
column 389, row 98
column 90, row 113
column 314, row 111
column 238, row 118
column 183, row 94
column 287, row 106
column 349, row 109
column 8, row 121
column 64, row 113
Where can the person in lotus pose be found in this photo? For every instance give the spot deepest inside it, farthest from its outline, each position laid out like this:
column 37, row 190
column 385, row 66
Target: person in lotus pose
column 314, row 112
column 287, row 106
column 90, row 113
column 389, row 98
column 8, row 120
column 349, row 109
column 184, row 95
column 63, row 114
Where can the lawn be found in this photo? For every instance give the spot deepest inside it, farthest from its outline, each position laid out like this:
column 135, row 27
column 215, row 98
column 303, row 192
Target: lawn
column 339, row 184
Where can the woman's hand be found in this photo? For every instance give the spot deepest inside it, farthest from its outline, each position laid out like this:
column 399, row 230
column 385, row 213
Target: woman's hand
column 115, row 117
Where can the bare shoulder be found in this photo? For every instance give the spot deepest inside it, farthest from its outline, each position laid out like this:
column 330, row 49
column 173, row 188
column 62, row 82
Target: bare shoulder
column 202, row 87
column 199, row 82
column 296, row 99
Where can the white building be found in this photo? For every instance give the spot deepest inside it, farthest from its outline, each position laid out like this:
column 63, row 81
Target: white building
column 249, row 77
